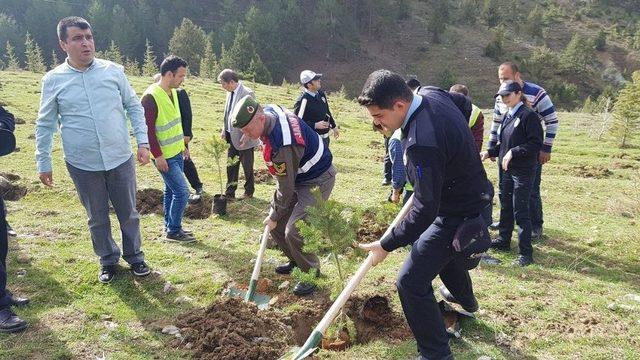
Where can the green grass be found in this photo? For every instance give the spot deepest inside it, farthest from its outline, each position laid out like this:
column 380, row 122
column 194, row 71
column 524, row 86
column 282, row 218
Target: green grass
column 557, row 308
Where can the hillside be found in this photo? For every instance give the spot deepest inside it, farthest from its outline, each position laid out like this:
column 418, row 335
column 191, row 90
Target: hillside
column 576, row 302
column 574, row 48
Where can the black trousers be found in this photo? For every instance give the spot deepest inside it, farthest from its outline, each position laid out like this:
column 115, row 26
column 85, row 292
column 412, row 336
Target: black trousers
column 515, row 194
column 387, row 160
column 245, row 158
column 5, row 300
column 191, row 173
column 432, row 255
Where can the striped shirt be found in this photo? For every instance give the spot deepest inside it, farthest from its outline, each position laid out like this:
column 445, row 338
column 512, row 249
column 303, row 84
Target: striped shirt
column 540, row 103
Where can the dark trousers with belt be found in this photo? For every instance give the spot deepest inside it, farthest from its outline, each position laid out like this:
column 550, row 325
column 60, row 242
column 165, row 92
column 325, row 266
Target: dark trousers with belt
column 432, row 255
column 535, row 204
column 387, row 160
column 191, row 173
column 5, row 300
column 515, row 194
column 245, row 158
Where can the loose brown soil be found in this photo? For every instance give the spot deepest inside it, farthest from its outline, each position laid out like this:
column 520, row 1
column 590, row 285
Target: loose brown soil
column 592, row 171
column 262, row 176
column 231, row 329
column 370, row 230
column 149, row 201
column 374, row 319
column 201, row 209
column 10, row 177
column 10, row 191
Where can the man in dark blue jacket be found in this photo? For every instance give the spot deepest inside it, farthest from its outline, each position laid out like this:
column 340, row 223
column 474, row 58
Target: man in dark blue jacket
column 9, row 322
column 449, row 182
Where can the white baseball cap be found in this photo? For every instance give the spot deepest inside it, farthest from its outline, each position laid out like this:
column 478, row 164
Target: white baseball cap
column 307, row 76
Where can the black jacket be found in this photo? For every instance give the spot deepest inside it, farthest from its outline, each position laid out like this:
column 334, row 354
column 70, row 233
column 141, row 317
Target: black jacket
column 522, row 134
column 185, row 112
column 442, row 165
column 313, row 109
column 7, row 126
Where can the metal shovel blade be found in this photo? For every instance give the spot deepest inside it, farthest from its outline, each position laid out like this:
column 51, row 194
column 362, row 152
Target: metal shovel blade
column 262, row 301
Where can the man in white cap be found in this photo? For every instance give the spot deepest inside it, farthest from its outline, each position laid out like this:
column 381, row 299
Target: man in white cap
column 312, row 106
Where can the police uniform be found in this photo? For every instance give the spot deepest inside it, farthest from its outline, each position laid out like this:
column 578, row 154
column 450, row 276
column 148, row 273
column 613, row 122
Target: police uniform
column 449, row 183
column 313, row 108
column 299, row 161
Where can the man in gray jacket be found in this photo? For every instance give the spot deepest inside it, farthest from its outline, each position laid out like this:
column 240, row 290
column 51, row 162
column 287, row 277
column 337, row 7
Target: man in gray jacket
column 239, row 146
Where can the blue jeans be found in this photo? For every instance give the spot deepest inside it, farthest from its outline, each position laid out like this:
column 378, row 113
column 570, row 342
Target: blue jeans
column 515, row 191
column 535, row 205
column 176, row 194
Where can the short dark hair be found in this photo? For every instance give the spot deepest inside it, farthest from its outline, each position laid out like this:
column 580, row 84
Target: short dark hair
column 413, row 83
column 71, row 21
column 171, row 63
column 383, row 88
column 459, row 88
column 512, row 65
column 227, row 75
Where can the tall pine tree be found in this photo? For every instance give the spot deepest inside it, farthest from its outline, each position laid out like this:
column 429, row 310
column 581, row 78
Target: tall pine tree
column 33, row 56
column 209, row 67
column 11, row 61
column 54, row 59
column 187, row 42
column 149, row 67
column 626, row 112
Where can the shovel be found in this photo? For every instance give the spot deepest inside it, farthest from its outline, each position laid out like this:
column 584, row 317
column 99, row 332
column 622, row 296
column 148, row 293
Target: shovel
column 316, row 335
column 262, row 301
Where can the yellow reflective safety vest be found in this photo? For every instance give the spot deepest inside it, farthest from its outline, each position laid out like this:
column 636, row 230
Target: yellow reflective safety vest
column 168, row 121
column 475, row 112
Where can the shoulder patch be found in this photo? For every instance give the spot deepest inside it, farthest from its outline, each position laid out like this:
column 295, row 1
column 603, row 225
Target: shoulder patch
column 280, row 168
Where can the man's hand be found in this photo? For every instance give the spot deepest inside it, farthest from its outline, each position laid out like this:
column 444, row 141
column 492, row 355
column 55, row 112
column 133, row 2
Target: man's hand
column 379, row 254
column 321, row 125
column 395, row 195
column 143, row 155
column 46, row 178
column 187, row 140
column 484, row 155
column 269, row 223
column 186, row 154
column 506, row 160
column 161, row 164
column 544, row 157
column 336, row 132
column 222, row 134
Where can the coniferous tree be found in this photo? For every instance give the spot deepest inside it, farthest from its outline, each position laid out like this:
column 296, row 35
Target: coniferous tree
column 535, row 22
column 626, row 112
column 33, row 56
column 113, row 53
column 187, row 42
column 149, row 67
column 258, row 71
column 11, row 62
column 239, row 55
column 490, row 13
column 131, row 66
column 54, row 59
column 209, row 63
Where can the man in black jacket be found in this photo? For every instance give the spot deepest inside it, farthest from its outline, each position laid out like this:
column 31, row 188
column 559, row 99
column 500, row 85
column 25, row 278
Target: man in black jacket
column 449, row 181
column 9, row 321
column 312, row 106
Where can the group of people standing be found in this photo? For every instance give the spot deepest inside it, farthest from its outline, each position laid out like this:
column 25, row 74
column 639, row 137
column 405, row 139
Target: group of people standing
column 435, row 139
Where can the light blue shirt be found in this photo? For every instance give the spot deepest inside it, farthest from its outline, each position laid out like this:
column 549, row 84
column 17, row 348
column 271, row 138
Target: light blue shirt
column 91, row 109
column 515, row 109
column 312, row 93
column 417, row 100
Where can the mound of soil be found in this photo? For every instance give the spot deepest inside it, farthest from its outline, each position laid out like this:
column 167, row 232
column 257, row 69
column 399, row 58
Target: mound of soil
column 10, row 177
column 201, row 209
column 149, row 201
column 231, row 329
column 592, row 171
column 262, row 176
column 374, row 319
column 10, row 191
column 370, row 230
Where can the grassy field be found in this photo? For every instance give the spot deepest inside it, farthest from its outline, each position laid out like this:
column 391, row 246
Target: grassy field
column 559, row 308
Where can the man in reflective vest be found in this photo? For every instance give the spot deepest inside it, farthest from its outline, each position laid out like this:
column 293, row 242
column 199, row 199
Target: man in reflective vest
column 166, row 140
column 299, row 161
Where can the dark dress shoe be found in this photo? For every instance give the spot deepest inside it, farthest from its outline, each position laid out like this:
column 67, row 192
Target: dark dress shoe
column 10, row 322
column 303, row 288
column 285, row 269
column 523, row 261
column 500, row 245
column 472, row 307
column 17, row 300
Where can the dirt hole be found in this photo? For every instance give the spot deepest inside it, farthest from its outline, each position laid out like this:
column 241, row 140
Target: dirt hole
column 149, row 201
column 370, row 228
column 10, row 191
column 592, row 171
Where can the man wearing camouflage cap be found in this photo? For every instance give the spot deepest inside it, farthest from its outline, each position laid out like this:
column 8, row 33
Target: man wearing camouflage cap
column 299, row 161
